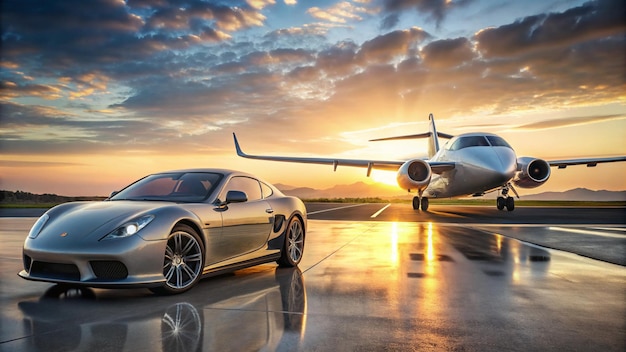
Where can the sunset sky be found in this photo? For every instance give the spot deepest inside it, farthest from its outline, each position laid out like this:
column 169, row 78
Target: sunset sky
column 96, row 94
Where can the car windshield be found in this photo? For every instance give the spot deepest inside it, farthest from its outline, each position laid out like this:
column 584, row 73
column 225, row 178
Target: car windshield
column 172, row 187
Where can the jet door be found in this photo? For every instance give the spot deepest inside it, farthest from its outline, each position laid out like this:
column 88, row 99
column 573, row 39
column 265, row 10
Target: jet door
column 246, row 225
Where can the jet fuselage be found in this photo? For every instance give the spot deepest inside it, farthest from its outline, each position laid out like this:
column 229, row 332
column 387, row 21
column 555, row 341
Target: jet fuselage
column 483, row 162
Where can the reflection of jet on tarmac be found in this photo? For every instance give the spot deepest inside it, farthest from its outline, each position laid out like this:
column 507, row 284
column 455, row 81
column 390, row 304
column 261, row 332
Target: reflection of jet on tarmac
column 469, row 164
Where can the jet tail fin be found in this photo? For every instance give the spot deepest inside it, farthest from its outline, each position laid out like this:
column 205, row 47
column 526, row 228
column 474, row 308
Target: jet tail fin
column 432, row 135
column 433, row 139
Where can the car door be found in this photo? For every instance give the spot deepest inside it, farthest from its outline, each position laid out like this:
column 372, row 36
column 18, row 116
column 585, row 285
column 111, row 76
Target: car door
column 246, row 225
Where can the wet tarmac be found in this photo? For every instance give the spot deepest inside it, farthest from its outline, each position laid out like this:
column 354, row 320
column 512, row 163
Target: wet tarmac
column 362, row 286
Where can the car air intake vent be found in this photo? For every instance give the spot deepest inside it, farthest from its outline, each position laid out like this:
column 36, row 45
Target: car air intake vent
column 27, row 263
column 109, row 269
column 55, row 271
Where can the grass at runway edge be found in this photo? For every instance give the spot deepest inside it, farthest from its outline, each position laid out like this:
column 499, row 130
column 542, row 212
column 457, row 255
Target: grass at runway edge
column 471, row 202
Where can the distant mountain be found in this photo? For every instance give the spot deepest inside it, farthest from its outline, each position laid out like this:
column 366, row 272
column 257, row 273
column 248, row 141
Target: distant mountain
column 364, row 190
column 581, row 194
column 355, row 190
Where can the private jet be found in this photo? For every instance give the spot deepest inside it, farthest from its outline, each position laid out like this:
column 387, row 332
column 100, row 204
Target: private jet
column 470, row 164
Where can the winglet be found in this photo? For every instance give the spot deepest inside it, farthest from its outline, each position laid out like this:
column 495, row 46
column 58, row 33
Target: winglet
column 237, row 147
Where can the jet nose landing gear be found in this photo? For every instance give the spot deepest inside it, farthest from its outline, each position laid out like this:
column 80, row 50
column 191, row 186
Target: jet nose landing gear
column 504, row 200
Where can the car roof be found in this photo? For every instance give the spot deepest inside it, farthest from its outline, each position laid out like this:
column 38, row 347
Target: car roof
column 225, row 172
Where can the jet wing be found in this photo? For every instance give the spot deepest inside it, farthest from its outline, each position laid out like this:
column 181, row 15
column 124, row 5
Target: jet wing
column 389, row 165
column 590, row 162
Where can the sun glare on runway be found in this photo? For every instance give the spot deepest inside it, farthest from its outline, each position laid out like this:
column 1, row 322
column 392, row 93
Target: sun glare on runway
column 430, row 252
column 394, row 244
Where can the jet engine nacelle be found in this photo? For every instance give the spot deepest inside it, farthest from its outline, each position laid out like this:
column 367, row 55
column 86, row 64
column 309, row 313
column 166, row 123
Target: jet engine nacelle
column 531, row 172
column 414, row 174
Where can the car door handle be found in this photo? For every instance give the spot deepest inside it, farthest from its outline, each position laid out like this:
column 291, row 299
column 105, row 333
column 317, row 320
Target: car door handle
column 269, row 210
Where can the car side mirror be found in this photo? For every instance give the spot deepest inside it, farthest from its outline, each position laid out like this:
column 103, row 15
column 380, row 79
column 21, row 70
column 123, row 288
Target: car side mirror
column 113, row 193
column 236, row 197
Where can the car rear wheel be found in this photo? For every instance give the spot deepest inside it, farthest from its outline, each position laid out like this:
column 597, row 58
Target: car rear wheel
column 183, row 261
column 293, row 248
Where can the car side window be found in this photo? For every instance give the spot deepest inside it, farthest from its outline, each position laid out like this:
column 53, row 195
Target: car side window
column 248, row 185
column 267, row 190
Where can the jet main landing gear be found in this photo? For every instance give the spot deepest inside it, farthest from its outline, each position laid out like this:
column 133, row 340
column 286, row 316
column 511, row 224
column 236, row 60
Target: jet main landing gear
column 420, row 203
column 508, row 203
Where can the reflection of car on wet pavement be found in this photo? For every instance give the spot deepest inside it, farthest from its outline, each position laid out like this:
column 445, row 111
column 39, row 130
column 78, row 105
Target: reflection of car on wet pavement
column 257, row 311
column 166, row 231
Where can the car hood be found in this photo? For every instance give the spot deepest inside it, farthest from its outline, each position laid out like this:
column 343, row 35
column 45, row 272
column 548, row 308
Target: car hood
column 86, row 219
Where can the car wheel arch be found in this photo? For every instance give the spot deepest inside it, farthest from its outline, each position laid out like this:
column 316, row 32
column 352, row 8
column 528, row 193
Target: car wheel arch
column 194, row 226
column 285, row 259
column 301, row 218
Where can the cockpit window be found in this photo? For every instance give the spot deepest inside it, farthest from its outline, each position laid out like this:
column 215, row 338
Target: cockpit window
column 477, row 141
column 469, row 141
column 498, row 142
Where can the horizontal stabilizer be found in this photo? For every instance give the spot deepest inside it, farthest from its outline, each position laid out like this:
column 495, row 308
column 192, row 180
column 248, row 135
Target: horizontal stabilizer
column 413, row 136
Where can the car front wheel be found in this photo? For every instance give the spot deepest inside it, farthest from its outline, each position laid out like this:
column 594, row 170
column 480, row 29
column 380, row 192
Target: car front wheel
column 183, row 261
column 293, row 248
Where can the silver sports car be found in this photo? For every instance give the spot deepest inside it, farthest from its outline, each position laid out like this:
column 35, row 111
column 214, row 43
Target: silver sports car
column 166, row 231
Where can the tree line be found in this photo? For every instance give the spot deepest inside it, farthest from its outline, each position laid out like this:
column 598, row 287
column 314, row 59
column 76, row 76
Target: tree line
column 20, row 197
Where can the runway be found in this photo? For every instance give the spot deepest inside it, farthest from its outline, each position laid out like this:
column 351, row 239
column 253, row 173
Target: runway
column 455, row 278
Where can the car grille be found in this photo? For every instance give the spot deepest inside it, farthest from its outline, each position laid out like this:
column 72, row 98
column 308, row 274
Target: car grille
column 109, row 269
column 55, row 271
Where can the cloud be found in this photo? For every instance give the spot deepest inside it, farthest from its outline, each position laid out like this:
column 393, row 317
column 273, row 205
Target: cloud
column 9, row 90
column 62, row 34
column 435, row 9
column 341, row 12
column 593, row 20
column 339, row 59
column 169, row 78
column 569, row 121
column 448, row 53
column 385, row 48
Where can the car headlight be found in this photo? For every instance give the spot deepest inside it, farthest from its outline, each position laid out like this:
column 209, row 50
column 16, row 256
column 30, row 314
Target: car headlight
column 36, row 229
column 130, row 228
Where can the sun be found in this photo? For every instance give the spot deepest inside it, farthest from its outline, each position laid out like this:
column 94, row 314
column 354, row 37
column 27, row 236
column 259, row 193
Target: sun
column 385, row 177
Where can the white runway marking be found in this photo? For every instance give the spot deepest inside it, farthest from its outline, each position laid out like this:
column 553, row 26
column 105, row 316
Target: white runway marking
column 331, row 209
column 587, row 232
column 380, row 211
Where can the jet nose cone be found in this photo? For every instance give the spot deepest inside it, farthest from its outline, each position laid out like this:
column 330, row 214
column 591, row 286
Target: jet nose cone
column 500, row 162
column 508, row 162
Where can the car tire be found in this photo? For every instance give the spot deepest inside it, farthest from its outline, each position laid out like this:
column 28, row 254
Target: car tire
column 293, row 247
column 183, row 261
